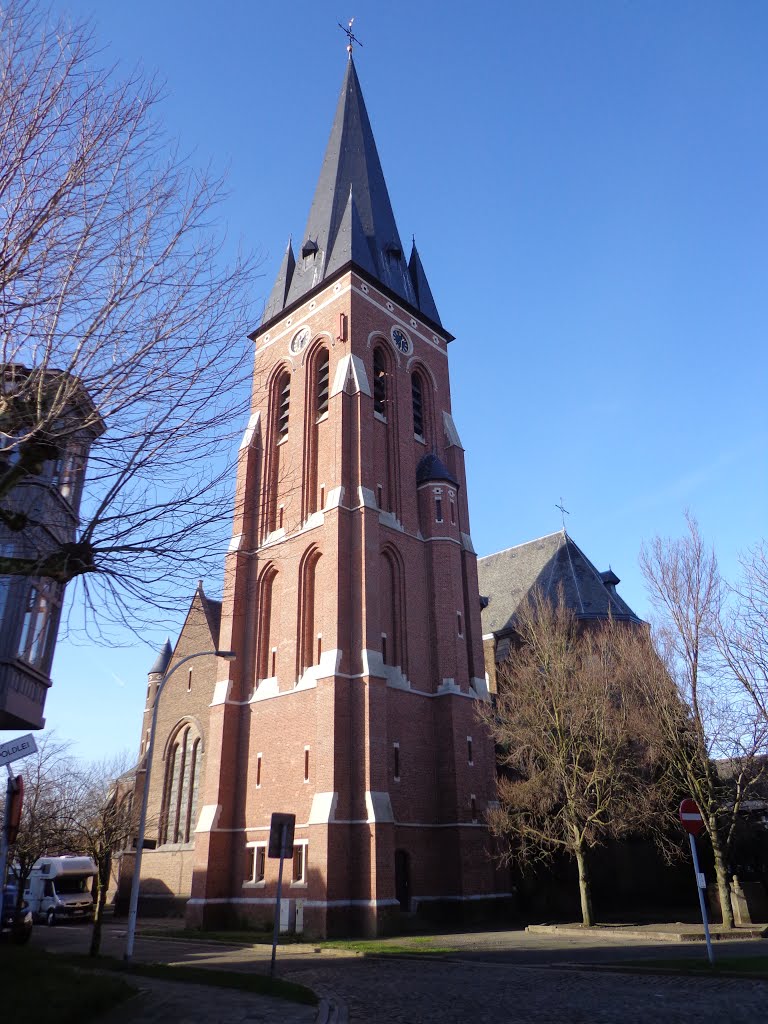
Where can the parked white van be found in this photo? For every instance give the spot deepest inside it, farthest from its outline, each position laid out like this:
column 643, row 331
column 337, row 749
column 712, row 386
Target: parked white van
column 59, row 888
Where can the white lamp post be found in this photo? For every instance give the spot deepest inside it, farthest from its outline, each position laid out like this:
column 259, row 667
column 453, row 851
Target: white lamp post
column 133, row 906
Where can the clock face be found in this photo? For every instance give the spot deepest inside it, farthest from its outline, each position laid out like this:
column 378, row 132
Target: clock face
column 299, row 340
column 401, row 340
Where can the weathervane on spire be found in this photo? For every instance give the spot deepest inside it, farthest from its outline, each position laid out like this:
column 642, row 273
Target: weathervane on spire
column 351, row 37
column 563, row 511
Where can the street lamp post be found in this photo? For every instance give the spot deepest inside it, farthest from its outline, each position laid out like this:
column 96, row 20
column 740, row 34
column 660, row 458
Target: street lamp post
column 135, row 882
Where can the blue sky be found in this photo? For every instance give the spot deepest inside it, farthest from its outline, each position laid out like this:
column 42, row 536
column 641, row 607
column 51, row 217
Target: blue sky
column 586, row 184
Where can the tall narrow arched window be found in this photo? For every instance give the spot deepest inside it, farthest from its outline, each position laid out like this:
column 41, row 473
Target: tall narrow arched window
column 379, row 382
column 417, row 395
column 391, row 608
column 321, row 383
column 180, row 792
column 264, row 663
column 309, row 649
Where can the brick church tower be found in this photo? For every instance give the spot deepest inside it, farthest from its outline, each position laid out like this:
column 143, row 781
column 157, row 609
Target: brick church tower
column 351, row 593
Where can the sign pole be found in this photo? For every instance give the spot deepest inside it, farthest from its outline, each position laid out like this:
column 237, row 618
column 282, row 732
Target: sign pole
column 283, row 835
column 4, row 838
column 700, row 890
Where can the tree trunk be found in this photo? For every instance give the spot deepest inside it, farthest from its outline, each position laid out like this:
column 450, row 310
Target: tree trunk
column 102, row 881
column 723, row 882
column 585, row 889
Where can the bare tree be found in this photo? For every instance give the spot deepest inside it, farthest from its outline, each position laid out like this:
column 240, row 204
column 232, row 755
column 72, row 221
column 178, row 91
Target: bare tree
column 742, row 636
column 698, row 714
column 567, row 724
column 50, row 807
column 104, row 824
column 118, row 312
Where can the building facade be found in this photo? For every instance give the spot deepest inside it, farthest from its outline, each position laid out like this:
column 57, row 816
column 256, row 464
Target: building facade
column 46, row 499
column 351, row 600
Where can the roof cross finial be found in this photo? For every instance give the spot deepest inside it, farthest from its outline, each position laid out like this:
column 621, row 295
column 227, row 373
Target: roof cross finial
column 351, row 37
column 563, row 511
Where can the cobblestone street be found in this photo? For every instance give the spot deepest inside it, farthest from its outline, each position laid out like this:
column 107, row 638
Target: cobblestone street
column 493, row 978
column 429, row 992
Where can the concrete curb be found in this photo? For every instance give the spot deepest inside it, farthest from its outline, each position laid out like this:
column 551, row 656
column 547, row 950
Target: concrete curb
column 619, row 933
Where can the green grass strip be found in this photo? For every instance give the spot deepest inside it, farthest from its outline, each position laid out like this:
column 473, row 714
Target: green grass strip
column 38, row 987
column 259, row 984
column 747, row 966
column 416, row 946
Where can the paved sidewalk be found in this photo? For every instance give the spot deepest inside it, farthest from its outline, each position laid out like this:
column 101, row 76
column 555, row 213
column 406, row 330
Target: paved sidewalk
column 671, row 932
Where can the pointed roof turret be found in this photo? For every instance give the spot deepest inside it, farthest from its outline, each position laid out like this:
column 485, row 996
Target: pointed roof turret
column 351, row 243
column 351, row 218
column 276, row 300
column 424, row 299
column 162, row 660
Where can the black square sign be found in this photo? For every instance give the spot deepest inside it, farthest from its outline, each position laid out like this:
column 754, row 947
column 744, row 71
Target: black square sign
column 281, row 835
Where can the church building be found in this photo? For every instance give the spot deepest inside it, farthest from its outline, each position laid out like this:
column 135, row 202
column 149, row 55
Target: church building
column 350, row 598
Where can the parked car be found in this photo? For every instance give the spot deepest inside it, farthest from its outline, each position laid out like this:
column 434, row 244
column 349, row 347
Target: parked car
column 16, row 926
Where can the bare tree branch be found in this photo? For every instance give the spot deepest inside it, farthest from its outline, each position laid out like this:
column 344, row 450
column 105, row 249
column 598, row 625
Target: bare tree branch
column 113, row 284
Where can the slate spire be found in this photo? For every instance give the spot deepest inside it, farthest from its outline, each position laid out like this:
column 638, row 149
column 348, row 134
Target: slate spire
column 351, row 218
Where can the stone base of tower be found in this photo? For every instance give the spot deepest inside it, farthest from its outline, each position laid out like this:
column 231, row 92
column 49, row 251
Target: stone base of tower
column 373, row 880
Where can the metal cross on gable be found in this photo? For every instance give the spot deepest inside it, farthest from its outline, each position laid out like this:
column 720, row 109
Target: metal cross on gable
column 351, row 37
column 563, row 511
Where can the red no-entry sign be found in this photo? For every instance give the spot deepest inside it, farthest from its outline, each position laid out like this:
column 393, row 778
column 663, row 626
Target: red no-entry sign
column 690, row 817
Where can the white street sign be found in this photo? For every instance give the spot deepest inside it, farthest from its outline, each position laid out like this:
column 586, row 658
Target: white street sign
column 12, row 750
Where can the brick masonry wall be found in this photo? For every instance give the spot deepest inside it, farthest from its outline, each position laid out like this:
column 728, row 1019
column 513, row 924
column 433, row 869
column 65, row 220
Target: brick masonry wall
column 350, row 708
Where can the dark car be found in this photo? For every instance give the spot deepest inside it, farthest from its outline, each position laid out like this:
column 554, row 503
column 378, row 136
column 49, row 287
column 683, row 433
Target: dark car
column 16, row 926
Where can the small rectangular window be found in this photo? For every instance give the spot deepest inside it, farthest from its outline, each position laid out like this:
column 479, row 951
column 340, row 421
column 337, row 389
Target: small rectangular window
column 396, row 750
column 280, row 512
column 299, row 863
column 459, row 624
column 453, row 512
column 258, row 770
column 322, row 496
column 438, row 510
column 384, row 648
column 319, row 647
column 274, row 662
column 250, row 862
column 469, row 750
column 380, row 490
column 306, row 764
column 189, row 681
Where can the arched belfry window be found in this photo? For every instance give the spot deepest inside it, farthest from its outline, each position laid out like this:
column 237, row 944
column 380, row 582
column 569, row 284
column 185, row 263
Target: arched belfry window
column 379, row 382
column 182, row 783
column 321, row 383
column 417, row 395
column 284, row 402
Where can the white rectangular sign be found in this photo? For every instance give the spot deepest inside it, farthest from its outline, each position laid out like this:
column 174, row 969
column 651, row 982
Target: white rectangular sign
column 12, row 750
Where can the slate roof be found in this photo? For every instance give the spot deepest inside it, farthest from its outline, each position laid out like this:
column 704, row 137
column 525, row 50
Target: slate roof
column 548, row 563
column 351, row 219
column 430, row 467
